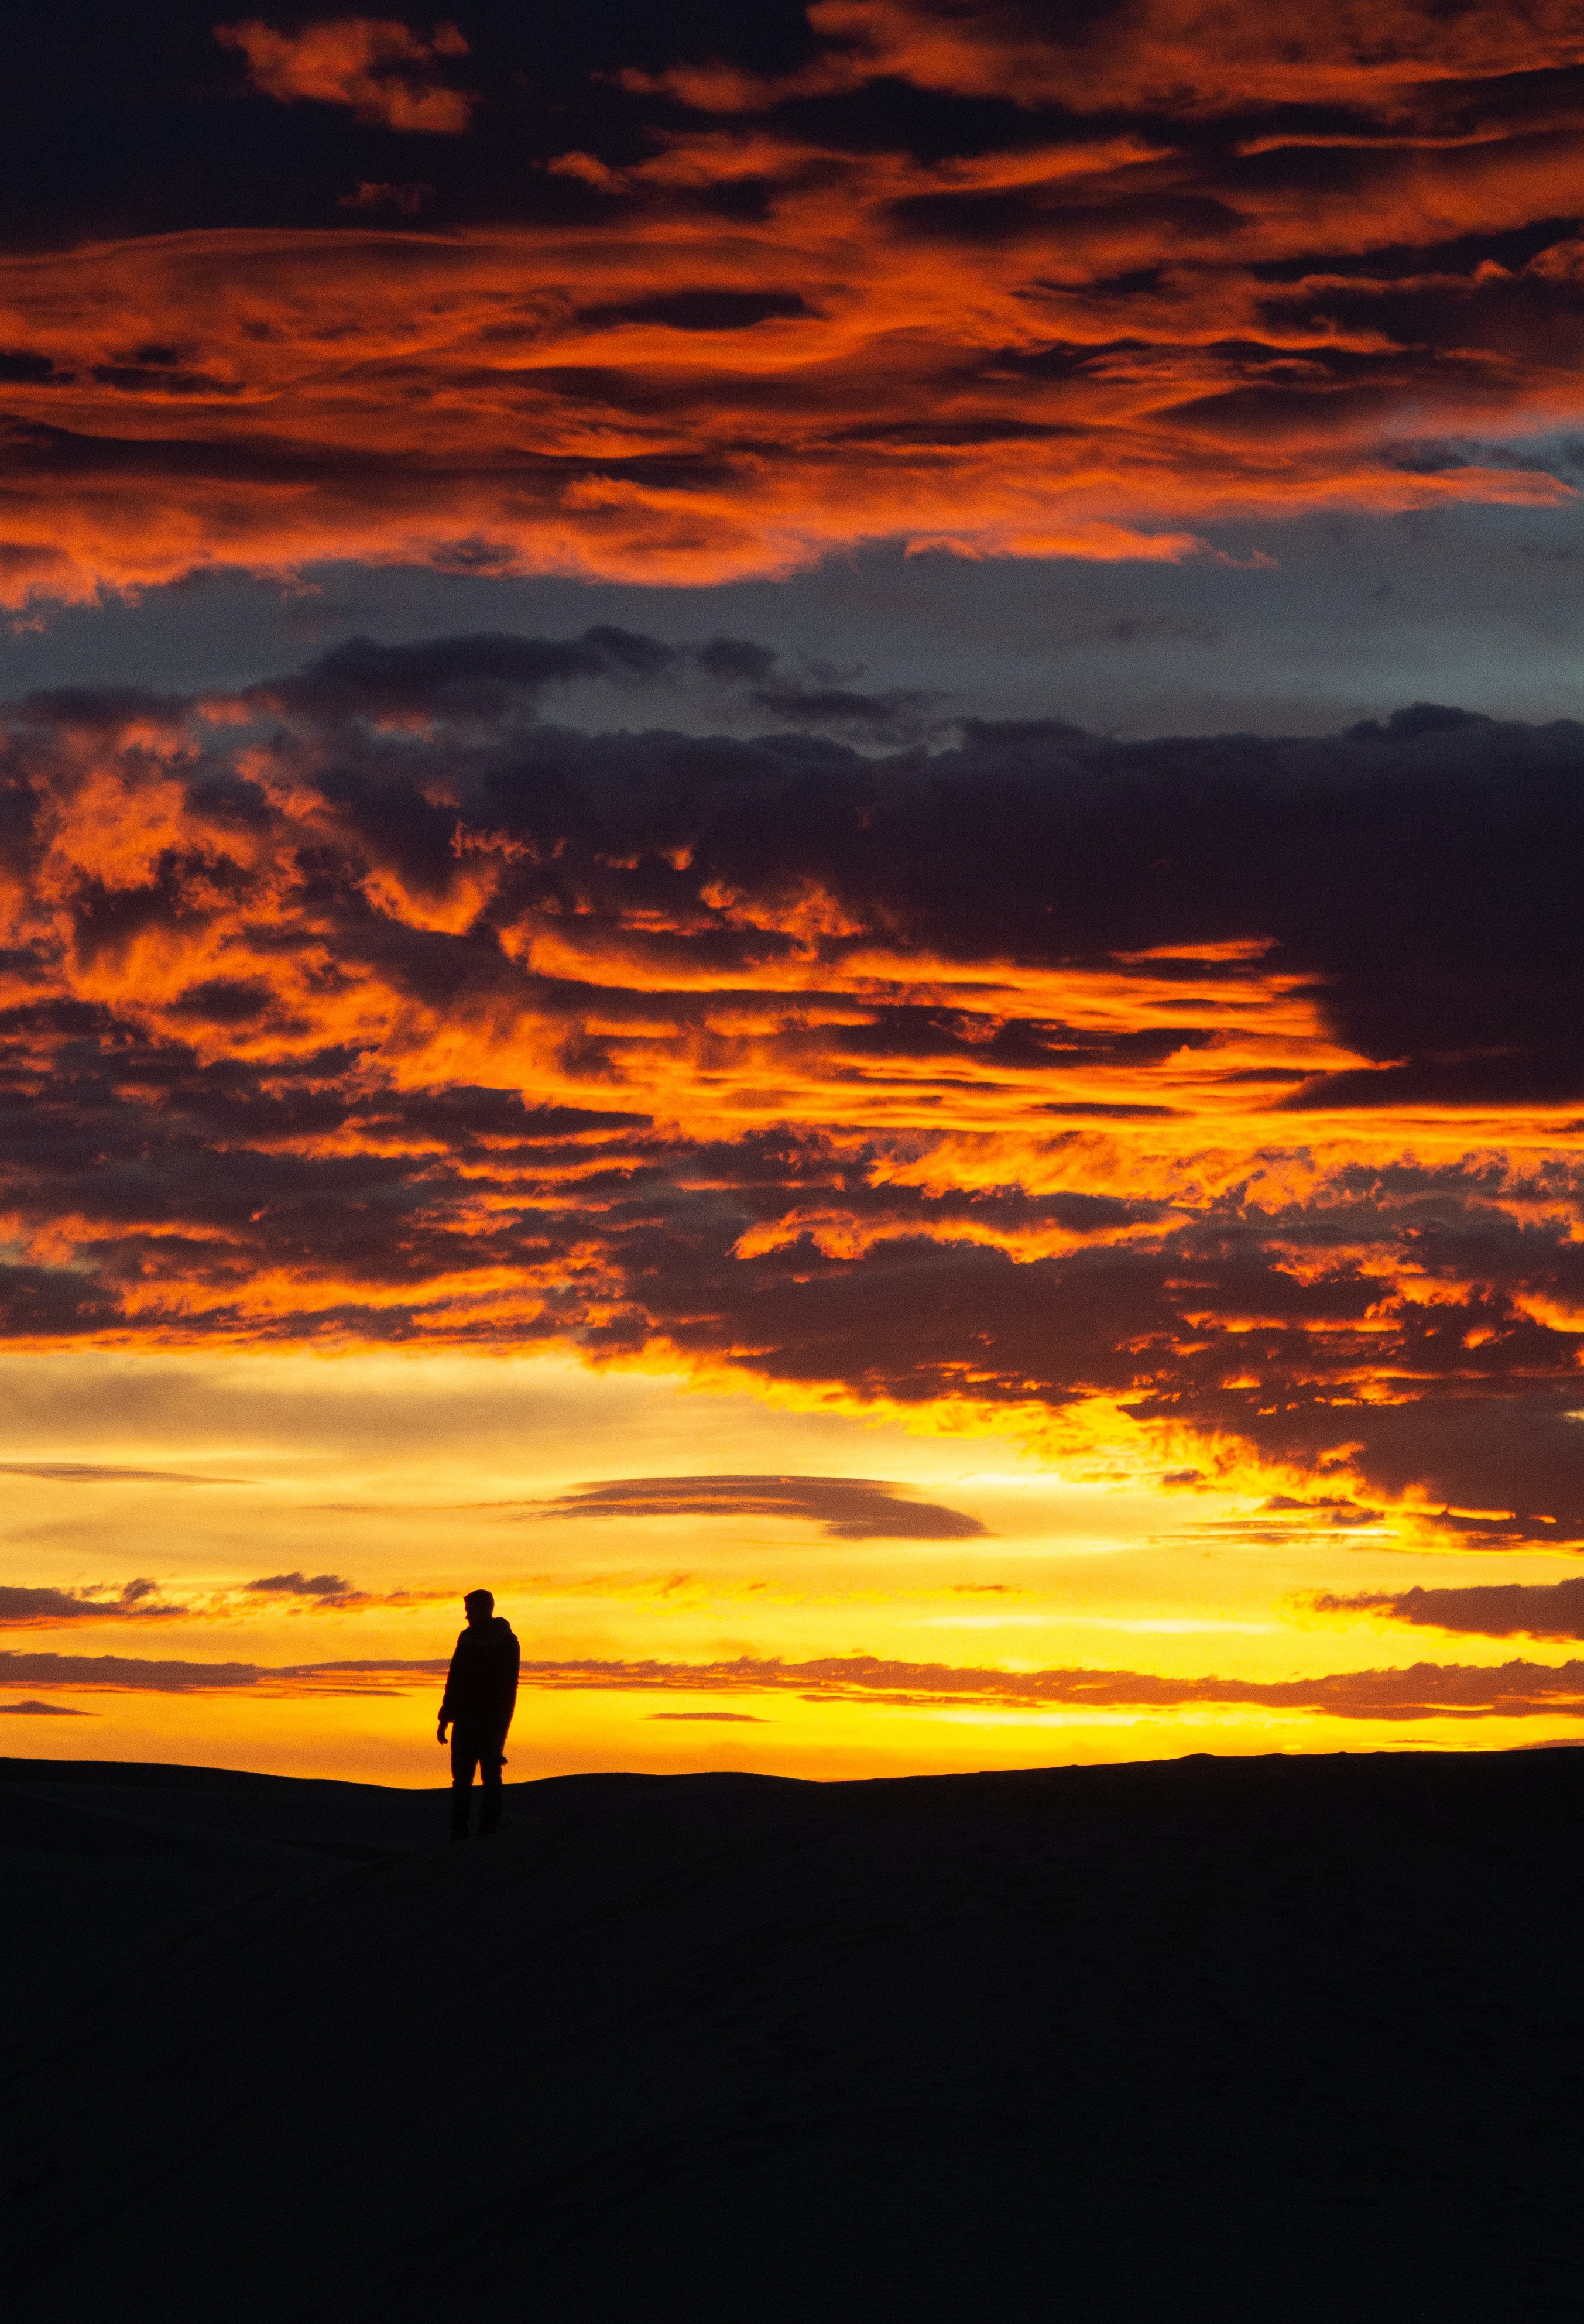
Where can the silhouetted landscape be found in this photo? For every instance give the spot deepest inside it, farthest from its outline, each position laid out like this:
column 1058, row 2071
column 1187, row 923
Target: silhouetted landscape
column 1233, row 2039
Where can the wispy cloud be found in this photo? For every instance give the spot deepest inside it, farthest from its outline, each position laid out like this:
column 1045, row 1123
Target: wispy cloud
column 124, row 1673
column 47, row 1608
column 717, row 1717
column 96, row 1472
column 1428, row 1690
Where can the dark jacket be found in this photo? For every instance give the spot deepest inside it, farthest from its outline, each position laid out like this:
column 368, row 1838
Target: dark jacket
column 481, row 1687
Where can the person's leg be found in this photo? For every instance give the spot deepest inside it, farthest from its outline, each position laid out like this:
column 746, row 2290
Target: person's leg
column 489, row 1775
column 464, row 1757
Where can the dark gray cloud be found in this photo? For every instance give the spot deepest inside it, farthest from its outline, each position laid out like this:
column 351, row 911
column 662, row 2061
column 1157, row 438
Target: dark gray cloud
column 43, row 1711
column 1419, row 868
column 488, row 678
column 1364, row 613
column 499, row 681
column 1533, row 1609
column 24, row 1608
column 845, row 1508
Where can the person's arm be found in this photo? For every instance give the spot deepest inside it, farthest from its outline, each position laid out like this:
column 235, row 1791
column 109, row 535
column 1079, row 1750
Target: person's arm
column 509, row 1689
column 447, row 1713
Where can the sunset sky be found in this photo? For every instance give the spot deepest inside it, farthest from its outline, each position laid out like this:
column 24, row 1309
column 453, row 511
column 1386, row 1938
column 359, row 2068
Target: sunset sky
column 790, row 854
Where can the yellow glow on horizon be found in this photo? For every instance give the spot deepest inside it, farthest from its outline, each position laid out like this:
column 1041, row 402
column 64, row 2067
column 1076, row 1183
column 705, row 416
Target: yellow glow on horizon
column 348, row 1466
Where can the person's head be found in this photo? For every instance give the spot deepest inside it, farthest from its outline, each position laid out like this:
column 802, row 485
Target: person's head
column 478, row 1606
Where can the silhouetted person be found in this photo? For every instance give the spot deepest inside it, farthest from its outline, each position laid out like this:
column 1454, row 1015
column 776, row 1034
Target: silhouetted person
column 480, row 1697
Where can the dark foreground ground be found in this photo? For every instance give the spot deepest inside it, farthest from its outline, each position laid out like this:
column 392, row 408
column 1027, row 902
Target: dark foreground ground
column 1236, row 2040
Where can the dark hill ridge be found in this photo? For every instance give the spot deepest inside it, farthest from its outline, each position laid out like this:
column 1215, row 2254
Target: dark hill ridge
column 1263, row 2040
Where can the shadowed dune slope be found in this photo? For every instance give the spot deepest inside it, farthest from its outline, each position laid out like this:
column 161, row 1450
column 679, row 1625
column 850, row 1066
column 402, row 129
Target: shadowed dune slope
column 1272, row 2039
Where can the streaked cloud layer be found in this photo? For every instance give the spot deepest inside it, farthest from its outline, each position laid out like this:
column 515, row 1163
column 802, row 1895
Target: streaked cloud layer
column 1006, row 281
column 1513, row 1690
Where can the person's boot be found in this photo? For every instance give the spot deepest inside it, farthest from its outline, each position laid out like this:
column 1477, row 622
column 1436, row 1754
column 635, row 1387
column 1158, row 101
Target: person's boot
column 460, row 1813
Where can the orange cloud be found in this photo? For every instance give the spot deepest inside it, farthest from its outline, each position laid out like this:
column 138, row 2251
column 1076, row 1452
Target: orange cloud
column 382, row 70
column 768, row 338
column 1221, row 1097
column 1198, row 55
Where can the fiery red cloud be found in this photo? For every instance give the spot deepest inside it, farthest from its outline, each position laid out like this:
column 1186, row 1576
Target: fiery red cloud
column 962, row 276
column 1229, row 1088
column 384, row 71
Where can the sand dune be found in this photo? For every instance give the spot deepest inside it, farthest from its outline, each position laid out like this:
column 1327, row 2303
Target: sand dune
column 1238, row 2039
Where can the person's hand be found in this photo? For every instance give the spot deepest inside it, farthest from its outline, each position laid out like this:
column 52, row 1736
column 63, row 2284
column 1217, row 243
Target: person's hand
column 440, row 1736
